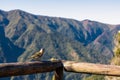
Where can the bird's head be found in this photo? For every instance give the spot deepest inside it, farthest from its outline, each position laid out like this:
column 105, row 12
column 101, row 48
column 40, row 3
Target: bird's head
column 42, row 50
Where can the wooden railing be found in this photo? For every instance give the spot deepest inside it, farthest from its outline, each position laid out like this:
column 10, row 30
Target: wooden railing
column 24, row 68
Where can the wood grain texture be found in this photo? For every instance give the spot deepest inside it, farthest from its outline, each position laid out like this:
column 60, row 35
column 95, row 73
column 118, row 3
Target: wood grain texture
column 101, row 69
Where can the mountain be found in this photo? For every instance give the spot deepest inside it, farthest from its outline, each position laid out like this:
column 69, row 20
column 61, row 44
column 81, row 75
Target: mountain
column 62, row 38
column 8, row 51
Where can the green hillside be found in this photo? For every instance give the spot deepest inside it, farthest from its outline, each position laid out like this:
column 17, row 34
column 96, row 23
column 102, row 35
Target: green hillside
column 66, row 39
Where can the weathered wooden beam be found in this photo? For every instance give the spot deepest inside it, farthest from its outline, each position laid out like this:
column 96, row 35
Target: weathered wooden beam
column 14, row 69
column 23, row 68
column 101, row 69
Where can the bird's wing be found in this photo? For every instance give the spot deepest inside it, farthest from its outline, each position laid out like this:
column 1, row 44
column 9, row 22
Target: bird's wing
column 35, row 54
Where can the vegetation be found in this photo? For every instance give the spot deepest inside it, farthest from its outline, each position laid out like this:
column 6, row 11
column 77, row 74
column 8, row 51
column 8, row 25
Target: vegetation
column 94, row 77
column 68, row 39
column 116, row 58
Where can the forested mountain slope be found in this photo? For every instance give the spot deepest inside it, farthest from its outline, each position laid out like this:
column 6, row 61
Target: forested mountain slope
column 22, row 34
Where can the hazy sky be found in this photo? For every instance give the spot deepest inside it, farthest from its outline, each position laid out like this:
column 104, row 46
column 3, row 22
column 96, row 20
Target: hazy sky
column 106, row 11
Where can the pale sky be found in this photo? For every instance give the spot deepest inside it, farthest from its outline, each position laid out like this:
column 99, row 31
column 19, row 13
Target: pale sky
column 106, row 11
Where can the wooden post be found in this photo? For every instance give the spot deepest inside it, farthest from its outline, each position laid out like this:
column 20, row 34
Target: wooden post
column 58, row 74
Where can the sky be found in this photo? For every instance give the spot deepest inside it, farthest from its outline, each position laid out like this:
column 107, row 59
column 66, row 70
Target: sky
column 105, row 11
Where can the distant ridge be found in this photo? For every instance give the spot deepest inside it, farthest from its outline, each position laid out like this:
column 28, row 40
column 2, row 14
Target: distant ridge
column 62, row 38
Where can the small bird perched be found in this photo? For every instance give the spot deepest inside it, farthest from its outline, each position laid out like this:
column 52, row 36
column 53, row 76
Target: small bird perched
column 37, row 55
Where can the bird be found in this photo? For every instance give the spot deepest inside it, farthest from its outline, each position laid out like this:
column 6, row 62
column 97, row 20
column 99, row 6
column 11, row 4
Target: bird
column 37, row 55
